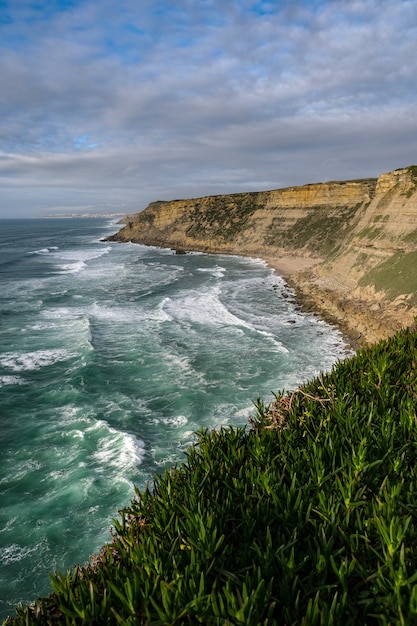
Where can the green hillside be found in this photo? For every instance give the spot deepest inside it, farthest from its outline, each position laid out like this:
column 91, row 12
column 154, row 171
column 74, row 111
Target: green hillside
column 309, row 516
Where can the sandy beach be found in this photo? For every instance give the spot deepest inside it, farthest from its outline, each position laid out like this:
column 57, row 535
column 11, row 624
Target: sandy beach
column 287, row 266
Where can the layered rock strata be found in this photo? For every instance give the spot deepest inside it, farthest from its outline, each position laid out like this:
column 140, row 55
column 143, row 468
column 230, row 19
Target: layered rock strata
column 357, row 238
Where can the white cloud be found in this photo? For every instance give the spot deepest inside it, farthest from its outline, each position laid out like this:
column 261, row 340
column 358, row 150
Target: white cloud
column 135, row 101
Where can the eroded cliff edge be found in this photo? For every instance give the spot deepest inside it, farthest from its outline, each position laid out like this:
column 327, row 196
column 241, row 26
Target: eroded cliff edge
column 360, row 238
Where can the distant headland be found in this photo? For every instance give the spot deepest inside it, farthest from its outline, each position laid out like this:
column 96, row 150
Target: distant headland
column 69, row 216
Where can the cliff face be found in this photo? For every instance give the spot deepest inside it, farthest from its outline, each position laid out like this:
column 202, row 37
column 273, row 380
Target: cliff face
column 363, row 232
column 372, row 279
column 308, row 220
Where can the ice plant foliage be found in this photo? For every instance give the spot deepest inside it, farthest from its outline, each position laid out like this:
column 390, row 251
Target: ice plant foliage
column 311, row 521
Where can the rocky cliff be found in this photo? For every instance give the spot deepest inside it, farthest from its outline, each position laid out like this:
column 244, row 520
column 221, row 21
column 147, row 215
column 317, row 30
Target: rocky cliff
column 361, row 233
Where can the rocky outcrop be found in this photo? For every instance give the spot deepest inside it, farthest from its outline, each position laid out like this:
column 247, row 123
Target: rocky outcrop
column 363, row 232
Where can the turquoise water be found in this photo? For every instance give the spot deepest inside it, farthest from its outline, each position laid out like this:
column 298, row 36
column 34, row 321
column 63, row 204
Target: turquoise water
column 111, row 357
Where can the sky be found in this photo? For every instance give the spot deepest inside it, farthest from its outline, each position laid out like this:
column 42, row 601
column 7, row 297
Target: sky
column 108, row 105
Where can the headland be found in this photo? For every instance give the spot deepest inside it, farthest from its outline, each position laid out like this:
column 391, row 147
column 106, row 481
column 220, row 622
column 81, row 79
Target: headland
column 348, row 248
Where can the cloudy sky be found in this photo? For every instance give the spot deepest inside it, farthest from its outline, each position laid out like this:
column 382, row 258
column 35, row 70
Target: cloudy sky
column 107, row 105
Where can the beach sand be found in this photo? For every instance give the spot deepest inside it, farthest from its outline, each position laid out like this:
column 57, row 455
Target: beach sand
column 286, row 266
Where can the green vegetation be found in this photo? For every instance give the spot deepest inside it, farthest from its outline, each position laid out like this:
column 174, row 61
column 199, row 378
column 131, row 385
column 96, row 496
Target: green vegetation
column 361, row 259
column 413, row 171
column 371, row 182
column 395, row 276
column 322, row 230
column 308, row 518
column 148, row 217
column 411, row 237
column 222, row 217
column 371, row 232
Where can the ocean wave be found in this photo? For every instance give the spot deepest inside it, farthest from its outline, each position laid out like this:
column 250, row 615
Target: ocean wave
column 71, row 268
column 20, row 469
column 176, row 421
column 205, row 307
column 217, row 271
column 202, row 307
column 123, row 315
column 122, row 451
column 13, row 553
column 76, row 261
column 44, row 250
column 82, row 254
column 162, row 314
column 11, row 380
column 29, row 361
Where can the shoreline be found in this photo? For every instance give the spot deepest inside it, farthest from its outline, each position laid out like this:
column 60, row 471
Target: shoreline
column 287, row 266
column 291, row 269
column 363, row 318
column 347, row 248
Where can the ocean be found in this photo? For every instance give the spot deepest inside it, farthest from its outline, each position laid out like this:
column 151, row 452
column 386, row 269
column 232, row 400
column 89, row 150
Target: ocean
column 112, row 356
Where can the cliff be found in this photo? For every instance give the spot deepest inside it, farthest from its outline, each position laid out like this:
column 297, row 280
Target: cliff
column 361, row 235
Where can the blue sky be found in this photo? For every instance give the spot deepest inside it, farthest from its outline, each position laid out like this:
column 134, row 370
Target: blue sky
column 107, row 106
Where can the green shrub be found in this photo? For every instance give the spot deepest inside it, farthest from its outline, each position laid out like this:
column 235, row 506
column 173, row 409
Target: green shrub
column 396, row 275
column 309, row 517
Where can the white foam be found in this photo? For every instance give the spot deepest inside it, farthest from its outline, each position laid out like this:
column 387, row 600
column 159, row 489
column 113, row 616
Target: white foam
column 75, row 433
column 77, row 259
column 73, row 319
column 58, row 474
column 82, row 254
column 164, row 461
column 130, row 314
column 72, row 268
column 162, row 314
column 116, row 314
column 217, row 271
column 44, row 250
column 29, row 361
column 277, row 344
column 244, row 413
column 20, row 469
column 206, row 308
column 9, row 525
column 63, row 313
column 181, row 364
column 188, row 434
column 117, row 449
column 14, row 553
column 176, row 421
column 11, row 380
column 61, row 322
column 74, row 416
column 203, row 308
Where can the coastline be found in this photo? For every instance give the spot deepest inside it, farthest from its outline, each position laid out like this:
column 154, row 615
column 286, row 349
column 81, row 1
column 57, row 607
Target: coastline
column 347, row 248
column 362, row 317
column 287, row 266
column 363, row 321
column 295, row 270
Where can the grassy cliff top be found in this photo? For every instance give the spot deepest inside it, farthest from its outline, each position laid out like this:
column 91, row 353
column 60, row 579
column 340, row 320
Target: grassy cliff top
column 308, row 517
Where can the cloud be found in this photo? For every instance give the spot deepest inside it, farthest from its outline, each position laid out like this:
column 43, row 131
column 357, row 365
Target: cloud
column 132, row 101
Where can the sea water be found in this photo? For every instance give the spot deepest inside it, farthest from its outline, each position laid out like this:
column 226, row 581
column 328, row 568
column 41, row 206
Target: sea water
column 112, row 356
